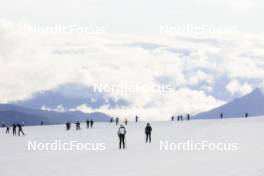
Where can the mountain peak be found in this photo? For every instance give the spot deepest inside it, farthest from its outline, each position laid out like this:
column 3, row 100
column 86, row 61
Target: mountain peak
column 257, row 91
column 252, row 103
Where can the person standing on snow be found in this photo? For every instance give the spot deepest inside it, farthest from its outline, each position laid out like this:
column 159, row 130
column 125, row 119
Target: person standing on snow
column 7, row 129
column 92, row 122
column 87, row 123
column 117, row 121
column 78, row 125
column 122, row 135
column 126, row 121
column 246, row 115
column 136, row 118
column 68, row 126
column 14, row 129
column 148, row 130
column 20, row 130
column 188, row 116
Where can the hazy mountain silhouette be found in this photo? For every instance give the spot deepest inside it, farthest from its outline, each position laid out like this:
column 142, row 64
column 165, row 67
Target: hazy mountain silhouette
column 252, row 103
column 69, row 96
column 16, row 114
column 11, row 116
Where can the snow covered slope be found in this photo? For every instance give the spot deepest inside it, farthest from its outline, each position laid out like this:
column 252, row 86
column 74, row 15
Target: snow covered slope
column 139, row 159
column 252, row 103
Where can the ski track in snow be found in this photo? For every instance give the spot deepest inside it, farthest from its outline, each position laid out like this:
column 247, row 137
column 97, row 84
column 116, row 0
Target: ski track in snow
column 139, row 158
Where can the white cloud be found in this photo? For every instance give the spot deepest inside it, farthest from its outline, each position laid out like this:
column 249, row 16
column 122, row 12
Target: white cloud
column 162, row 106
column 59, row 108
column 32, row 63
column 235, row 87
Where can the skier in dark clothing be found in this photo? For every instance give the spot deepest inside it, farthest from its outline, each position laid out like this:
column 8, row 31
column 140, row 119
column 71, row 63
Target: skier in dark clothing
column 148, row 130
column 136, row 118
column 14, row 126
column 88, row 123
column 20, row 130
column 78, row 125
column 221, row 115
column 68, row 126
column 117, row 121
column 111, row 120
column 7, row 129
column 246, row 115
column 122, row 135
column 188, row 117
column 179, row 118
column 172, row 118
column 92, row 122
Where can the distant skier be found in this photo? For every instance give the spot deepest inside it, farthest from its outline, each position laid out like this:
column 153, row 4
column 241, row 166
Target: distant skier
column 68, row 126
column 92, row 122
column 117, row 121
column 78, row 125
column 148, row 130
column 136, row 118
column 126, row 121
column 14, row 126
column 87, row 123
column 221, row 115
column 122, row 135
column 7, row 129
column 178, row 118
column 188, row 117
column 111, row 120
column 20, row 130
column 172, row 118
column 246, row 115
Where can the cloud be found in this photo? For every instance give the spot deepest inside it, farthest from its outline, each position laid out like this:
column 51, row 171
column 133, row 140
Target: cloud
column 32, row 63
column 161, row 107
column 235, row 87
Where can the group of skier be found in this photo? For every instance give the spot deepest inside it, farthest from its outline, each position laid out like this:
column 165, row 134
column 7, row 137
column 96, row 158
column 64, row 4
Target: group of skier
column 125, row 121
column 116, row 120
column 121, row 131
column 89, row 124
column 222, row 115
column 180, row 117
column 17, row 129
column 122, row 135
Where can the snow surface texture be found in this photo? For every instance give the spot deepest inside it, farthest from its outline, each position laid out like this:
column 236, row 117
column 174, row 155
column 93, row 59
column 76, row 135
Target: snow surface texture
column 139, row 158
